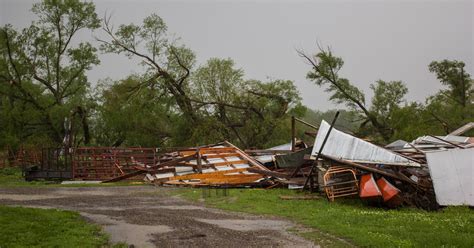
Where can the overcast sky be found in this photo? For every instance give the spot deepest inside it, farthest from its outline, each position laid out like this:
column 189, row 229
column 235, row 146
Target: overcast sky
column 389, row 40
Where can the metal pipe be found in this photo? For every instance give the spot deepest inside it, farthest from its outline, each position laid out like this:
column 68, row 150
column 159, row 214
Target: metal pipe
column 320, row 150
column 306, row 123
column 293, row 134
column 446, row 141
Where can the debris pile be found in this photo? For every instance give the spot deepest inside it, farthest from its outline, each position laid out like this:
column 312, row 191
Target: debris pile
column 423, row 173
column 218, row 165
column 427, row 172
column 212, row 165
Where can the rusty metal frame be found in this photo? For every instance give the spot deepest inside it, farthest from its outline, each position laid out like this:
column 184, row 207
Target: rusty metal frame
column 340, row 189
column 102, row 163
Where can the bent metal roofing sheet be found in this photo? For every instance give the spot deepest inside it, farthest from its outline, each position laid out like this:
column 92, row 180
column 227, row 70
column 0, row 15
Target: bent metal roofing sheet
column 344, row 146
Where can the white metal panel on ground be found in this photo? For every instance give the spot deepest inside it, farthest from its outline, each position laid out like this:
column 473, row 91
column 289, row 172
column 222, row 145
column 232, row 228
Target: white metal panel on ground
column 184, row 169
column 164, row 175
column 348, row 147
column 241, row 166
column 452, row 173
column 269, row 158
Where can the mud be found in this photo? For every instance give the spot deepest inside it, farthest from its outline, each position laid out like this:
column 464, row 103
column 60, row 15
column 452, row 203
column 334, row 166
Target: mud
column 145, row 216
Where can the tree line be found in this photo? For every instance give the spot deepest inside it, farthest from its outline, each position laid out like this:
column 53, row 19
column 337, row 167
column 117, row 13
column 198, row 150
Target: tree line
column 46, row 98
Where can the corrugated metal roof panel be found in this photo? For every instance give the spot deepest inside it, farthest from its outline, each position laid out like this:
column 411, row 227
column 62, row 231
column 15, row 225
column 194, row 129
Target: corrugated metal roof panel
column 348, row 147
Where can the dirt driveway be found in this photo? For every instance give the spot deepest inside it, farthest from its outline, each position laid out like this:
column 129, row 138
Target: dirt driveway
column 147, row 217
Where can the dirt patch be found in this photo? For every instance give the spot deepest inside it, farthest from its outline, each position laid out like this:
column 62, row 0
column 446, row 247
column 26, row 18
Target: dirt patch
column 248, row 225
column 148, row 217
column 132, row 234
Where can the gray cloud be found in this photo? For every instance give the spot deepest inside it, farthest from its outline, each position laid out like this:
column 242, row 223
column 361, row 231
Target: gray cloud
column 389, row 40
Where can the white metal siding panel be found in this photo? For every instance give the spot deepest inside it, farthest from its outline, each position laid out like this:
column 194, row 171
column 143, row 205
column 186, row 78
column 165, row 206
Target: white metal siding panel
column 452, row 173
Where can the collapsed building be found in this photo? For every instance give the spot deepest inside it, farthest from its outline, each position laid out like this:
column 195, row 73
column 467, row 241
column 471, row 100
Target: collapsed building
column 429, row 172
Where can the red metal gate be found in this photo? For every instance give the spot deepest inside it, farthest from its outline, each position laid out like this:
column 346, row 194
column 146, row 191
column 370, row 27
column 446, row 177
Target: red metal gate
column 102, row 163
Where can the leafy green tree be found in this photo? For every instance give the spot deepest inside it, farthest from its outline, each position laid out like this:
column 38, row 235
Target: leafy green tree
column 43, row 74
column 132, row 117
column 248, row 112
column 347, row 121
column 451, row 74
column 214, row 101
column 388, row 98
column 167, row 64
column 451, row 107
column 325, row 73
column 412, row 121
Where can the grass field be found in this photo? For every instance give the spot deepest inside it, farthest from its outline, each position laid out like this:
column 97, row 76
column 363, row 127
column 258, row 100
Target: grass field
column 29, row 227
column 12, row 177
column 351, row 220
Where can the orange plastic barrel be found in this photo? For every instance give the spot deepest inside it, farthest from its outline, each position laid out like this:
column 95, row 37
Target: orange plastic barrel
column 368, row 187
column 388, row 190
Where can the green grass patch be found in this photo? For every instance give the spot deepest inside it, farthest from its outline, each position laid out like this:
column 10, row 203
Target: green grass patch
column 12, row 177
column 351, row 220
column 29, row 227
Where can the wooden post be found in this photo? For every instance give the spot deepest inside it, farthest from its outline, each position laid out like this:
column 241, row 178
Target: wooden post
column 199, row 160
column 293, row 134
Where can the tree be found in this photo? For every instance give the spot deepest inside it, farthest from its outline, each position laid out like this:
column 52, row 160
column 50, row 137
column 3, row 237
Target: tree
column 451, row 73
column 388, row 97
column 215, row 102
column 44, row 72
column 247, row 111
column 167, row 64
column 325, row 72
column 130, row 117
column 451, row 107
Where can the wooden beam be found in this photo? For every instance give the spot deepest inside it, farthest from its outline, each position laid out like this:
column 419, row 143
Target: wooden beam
column 220, row 155
column 232, row 180
column 199, row 160
column 269, row 173
column 217, row 150
column 244, row 155
column 268, row 151
column 370, row 169
column 204, row 175
column 218, row 163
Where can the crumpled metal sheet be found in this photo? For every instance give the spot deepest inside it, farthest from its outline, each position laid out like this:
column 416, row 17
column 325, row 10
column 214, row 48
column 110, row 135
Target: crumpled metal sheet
column 452, row 172
column 348, row 147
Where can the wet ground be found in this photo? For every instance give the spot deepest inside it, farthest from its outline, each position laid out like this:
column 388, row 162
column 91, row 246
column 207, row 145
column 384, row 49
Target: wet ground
column 145, row 216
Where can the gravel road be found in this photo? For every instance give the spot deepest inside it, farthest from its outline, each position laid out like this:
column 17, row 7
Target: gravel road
column 145, row 216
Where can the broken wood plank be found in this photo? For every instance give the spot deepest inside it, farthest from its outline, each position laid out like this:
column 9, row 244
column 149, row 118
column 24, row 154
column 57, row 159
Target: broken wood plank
column 244, row 155
column 269, row 173
column 220, row 155
column 210, row 174
column 217, row 163
column 267, row 151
